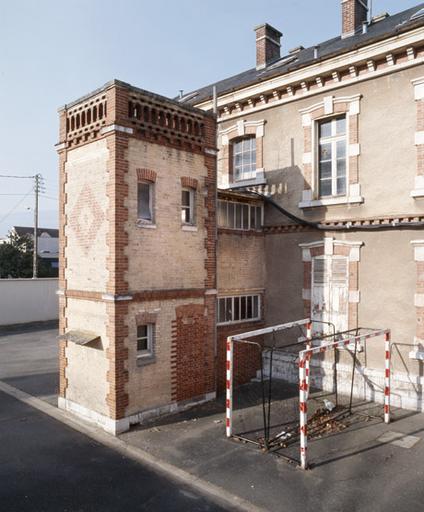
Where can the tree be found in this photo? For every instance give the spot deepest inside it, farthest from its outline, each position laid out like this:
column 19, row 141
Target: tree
column 16, row 259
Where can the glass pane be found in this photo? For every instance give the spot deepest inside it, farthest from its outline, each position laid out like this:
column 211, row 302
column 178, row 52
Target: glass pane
column 228, row 309
column 185, row 215
column 325, row 169
column 245, row 216
column 341, row 185
column 141, row 331
column 236, row 308
column 143, row 206
column 325, row 187
column 341, row 168
column 142, row 344
column 258, row 217
column 325, row 152
column 341, row 149
column 249, row 307
column 255, row 306
column 222, row 214
column 238, row 159
column 237, row 147
column 253, row 217
column 221, row 310
column 238, row 216
column 325, row 129
column 231, row 223
column 340, row 125
column 185, row 198
column 243, row 308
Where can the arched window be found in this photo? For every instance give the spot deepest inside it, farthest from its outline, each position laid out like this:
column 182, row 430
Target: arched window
column 244, row 159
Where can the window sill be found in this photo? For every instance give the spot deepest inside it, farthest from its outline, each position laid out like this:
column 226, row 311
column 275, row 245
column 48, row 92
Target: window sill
column 313, row 203
column 146, row 225
column 417, row 193
column 145, row 360
column 246, row 321
column 188, row 227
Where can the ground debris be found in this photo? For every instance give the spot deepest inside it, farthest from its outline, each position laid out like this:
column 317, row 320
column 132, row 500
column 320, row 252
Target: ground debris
column 324, row 422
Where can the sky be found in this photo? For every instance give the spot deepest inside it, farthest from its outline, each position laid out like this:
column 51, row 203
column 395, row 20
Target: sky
column 52, row 52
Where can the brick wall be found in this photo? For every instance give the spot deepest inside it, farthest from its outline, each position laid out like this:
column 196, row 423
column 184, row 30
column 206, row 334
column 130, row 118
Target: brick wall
column 247, row 358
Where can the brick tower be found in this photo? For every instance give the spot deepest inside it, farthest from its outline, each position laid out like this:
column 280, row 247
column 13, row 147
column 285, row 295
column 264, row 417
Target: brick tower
column 137, row 256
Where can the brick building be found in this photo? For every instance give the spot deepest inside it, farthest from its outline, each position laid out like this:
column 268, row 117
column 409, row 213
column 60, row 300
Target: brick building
column 308, row 223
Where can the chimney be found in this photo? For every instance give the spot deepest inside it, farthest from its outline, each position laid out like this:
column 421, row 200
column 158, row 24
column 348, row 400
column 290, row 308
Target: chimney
column 267, row 45
column 354, row 14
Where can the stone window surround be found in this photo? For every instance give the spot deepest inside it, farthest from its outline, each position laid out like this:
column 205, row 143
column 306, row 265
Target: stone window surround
column 331, row 106
column 145, row 318
column 418, row 84
column 228, row 135
column 329, row 247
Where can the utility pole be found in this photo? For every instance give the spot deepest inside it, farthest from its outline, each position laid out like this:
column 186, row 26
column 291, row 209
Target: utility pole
column 37, row 178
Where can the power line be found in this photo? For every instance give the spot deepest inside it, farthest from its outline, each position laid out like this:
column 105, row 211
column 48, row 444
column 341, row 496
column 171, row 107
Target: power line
column 12, row 210
column 18, row 177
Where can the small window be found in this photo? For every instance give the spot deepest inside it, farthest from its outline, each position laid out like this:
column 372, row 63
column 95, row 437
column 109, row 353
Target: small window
column 145, row 202
column 240, row 308
column 239, row 216
column 244, row 159
column 187, row 206
column 144, row 340
column 332, row 157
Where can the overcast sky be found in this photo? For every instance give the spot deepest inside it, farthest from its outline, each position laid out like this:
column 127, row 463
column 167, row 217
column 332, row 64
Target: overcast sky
column 52, row 52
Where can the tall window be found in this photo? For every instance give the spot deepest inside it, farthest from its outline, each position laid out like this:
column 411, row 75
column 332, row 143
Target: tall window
column 145, row 340
column 332, row 156
column 145, row 202
column 187, row 206
column 244, row 159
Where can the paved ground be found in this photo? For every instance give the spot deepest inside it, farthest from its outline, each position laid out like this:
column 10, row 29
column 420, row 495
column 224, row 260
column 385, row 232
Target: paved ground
column 47, row 466
column 372, row 467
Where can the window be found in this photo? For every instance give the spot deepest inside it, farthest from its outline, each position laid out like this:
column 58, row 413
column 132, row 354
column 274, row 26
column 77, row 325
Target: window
column 240, row 308
column 244, row 159
column 332, row 157
column 241, row 216
column 145, row 340
column 187, row 206
column 145, row 202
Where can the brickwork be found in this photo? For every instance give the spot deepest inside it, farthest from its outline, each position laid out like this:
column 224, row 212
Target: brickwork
column 247, row 358
column 354, row 13
column 133, row 138
column 267, row 45
column 192, row 359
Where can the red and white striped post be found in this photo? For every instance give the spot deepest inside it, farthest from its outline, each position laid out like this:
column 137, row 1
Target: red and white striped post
column 308, row 346
column 229, row 388
column 303, row 406
column 387, row 378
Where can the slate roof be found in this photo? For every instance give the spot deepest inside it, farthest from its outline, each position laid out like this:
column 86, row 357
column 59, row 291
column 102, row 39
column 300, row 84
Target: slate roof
column 392, row 25
column 24, row 230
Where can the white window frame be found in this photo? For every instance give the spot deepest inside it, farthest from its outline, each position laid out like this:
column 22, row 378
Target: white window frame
column 244, row 175
column 232, row 298
column 332, row 140
column 234, row 223
column 151, row 203
column 149, row 338
column 190, row 207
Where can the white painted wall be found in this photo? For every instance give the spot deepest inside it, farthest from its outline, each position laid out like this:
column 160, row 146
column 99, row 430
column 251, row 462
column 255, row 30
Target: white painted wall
column 28, row 300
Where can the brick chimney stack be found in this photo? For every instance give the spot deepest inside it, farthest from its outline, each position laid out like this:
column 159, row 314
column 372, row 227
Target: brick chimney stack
column 267, row 45
column 354, row 14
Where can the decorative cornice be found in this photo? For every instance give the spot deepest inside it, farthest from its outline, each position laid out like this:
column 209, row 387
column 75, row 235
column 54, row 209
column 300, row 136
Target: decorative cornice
column 290, row 86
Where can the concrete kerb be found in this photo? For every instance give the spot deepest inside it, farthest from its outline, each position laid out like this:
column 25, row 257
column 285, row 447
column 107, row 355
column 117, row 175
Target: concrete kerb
column 217, row 494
